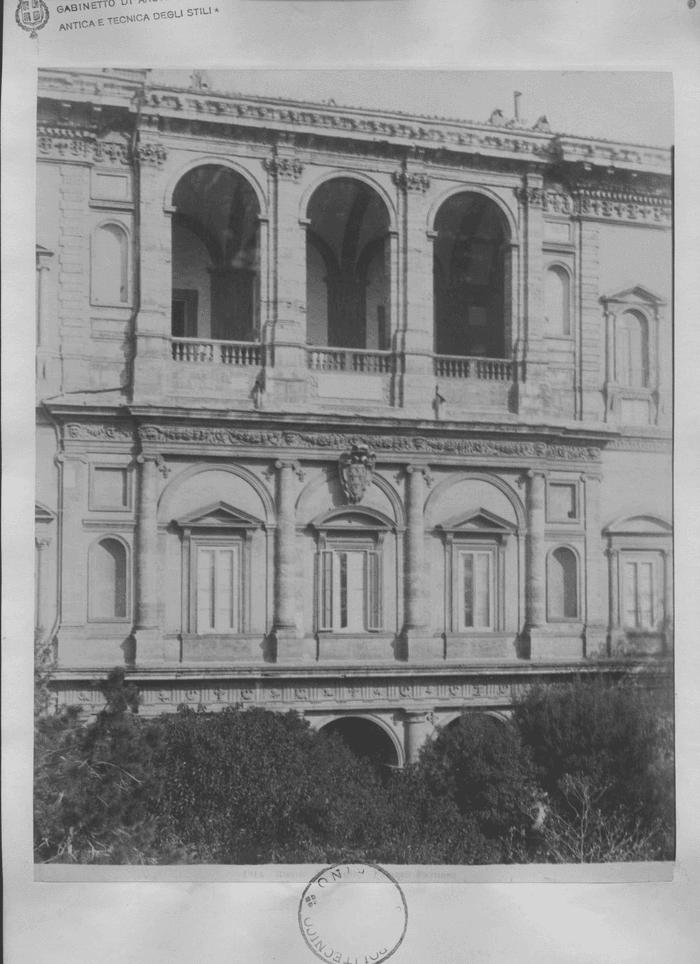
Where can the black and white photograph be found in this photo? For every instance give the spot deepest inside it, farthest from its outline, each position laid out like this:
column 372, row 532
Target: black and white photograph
column 353, row 506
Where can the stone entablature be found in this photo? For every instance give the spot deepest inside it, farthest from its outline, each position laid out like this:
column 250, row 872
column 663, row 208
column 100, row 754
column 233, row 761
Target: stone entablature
column 289, row 117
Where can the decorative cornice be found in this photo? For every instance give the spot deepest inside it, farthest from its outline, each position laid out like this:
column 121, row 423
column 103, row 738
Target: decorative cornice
column 615, row 204
column 411, row 181
column 660, row 446
column 530, row 196
column 534, row 144
column 286, row 168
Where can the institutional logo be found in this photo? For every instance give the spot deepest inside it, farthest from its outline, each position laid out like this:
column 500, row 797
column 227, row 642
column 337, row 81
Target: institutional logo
column 356, row 468
column 31, row 15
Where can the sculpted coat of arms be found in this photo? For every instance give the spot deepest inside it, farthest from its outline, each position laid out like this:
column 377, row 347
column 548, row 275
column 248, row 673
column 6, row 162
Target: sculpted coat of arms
column 356, row 468
column 31, row 15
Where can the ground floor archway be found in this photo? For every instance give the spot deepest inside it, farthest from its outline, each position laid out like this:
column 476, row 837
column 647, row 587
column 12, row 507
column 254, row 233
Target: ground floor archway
column 366, row 738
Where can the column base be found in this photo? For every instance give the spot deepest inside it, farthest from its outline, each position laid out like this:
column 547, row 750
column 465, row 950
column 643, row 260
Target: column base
column 420, row 647
column 597, row 641
column 546, row 643
column 291, row 646
column 151, row 647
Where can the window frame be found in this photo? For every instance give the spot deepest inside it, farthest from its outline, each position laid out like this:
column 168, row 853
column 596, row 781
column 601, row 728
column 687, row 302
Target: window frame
column 560, row 268
column 91, row 593
column 330, row 544
column 218, row 545
column 556, row 617
column 471, row 548
column 93, row 504
column 654, row 558
column 550, row 516
column 95, row 300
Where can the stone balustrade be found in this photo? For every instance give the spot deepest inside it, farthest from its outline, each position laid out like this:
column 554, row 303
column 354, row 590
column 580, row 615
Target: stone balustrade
column 355, row 361
column 217, row 352
column 484, row 369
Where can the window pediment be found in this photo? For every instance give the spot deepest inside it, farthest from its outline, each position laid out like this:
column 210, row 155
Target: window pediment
column 353, row 520
column 634, row 295
column 639, row 525
column 42, row 514
column 219, row 515
column 479, row 522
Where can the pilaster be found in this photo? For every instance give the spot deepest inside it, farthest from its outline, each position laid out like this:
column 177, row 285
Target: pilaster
column 594, row 584
column 287, row 381
column 415, row 320
column 153, row 276
column 535, row 605
column 418, row 727
column 150, row 646
column 533, row 350
column 418, row 642
column 290, row 642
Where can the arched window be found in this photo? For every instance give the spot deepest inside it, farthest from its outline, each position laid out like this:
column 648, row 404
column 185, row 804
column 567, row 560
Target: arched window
column 108, row 580
column 469, row 277
column 215, row 256
column 631, row 350
column 110, row 265
column 562, row 585
column 557, row 301
column 347, row 273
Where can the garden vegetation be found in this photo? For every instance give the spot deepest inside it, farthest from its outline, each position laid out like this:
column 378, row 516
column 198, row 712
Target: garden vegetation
column 583, row 773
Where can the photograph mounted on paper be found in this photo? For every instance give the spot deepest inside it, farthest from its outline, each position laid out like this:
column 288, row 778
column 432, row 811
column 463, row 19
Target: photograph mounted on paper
column 353, row 496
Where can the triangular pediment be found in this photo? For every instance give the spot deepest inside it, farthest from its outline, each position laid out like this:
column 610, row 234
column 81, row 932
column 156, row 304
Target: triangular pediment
column 220, row 515
column 357, row 517
column 478, row 520
column 639, row 525
column 634, row 294
column 42, row 513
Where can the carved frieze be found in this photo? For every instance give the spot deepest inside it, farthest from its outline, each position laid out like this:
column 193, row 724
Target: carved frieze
column 286, row 168
column 615, row 205
column 530, row 196
column 151, row 154
column 98, row 432
column 411, row 181
column 66, row 143
column 515, row 448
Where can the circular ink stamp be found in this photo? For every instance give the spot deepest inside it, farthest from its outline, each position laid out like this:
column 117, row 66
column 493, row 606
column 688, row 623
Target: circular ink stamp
column 353, row 914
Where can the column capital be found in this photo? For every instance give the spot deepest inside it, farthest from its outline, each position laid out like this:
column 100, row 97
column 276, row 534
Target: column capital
column 424, row 469
column 532, row 474
column 292, row 464
column 157, row 460
column 43, row 541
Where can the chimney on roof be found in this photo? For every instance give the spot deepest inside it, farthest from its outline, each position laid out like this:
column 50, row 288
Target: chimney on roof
column 516, row 98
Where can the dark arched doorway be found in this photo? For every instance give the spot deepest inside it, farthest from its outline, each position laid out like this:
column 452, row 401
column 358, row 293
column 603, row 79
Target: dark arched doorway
column 347, row 270
column 365, row 739
column 215, row 256
column 470, row 277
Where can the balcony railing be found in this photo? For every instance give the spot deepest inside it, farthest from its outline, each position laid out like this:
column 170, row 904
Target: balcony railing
column 216, row 352
column 354, row 361
column 485, row 369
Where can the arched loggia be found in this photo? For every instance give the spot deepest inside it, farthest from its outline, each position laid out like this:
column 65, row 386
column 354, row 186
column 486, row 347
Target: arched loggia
column 347, row 266
column 469, row 273
column 216, row 256
column 366, row 739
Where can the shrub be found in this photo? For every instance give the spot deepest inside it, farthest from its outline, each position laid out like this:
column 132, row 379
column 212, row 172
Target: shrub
column 482, row 767
column 606, row 733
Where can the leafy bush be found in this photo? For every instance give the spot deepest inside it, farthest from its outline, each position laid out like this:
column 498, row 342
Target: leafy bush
column 94, row 783
column 615, row 742
column 482, row 766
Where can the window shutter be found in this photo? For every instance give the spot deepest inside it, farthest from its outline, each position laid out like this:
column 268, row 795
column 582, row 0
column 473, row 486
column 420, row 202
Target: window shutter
column 374, row 591
column 325, row 589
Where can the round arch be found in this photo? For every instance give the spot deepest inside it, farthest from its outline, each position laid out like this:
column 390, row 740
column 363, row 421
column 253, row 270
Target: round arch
column 203, row 160
column 399, row 756
column 126, row 578
column 501, row 716
column 339, row 174
column 499, row 484
column 175, row 484
column 385, row 487
column 486, row 192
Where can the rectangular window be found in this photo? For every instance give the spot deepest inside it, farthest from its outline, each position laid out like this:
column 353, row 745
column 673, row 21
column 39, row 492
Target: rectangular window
column 562, row 502
column 184, row 313
column 110, row 488
column 476, row 590
column 349, row 590
column 642, row 607
column 218, row 589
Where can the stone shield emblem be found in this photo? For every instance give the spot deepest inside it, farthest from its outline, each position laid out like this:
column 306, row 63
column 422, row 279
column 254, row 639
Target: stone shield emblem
column 356, row 468
column 32, row 15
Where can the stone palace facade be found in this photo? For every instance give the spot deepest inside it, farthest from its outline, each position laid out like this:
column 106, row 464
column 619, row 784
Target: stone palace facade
column 360, row 414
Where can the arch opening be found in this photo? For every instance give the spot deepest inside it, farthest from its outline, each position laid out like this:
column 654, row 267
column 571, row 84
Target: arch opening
column 108, row 580
column 347, row 267
column 632, row 350
column 366, row 739
column 215, row 256
column 469, row 272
